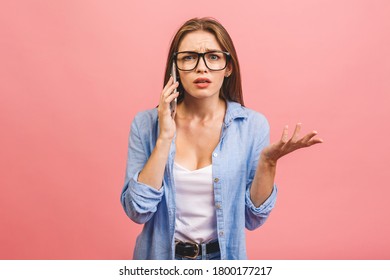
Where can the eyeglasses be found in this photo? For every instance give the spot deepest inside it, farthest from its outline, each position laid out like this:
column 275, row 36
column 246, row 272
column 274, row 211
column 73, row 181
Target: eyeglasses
column 214, row 60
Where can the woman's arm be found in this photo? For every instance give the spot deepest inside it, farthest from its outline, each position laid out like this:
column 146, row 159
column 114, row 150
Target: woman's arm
column 141, row 193
column 153, row 172
column 139, row 200
column 263, row 181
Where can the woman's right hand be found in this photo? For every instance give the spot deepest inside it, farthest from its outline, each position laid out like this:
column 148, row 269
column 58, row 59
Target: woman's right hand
column 166, row 121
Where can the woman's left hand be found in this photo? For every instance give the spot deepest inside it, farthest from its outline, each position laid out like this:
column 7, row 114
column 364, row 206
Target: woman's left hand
column 284, row 146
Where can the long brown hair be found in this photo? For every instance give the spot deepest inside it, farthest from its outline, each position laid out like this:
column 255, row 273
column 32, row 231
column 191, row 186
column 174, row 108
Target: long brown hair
column 231, row 88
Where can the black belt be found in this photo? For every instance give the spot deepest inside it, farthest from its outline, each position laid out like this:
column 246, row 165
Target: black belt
column 193, row 250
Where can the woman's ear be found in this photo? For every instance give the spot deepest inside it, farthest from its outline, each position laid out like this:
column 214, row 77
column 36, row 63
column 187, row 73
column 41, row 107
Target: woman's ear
column 228, row 70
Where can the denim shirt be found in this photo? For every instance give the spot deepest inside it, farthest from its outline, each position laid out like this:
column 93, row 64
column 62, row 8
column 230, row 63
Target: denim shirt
column 234, row 161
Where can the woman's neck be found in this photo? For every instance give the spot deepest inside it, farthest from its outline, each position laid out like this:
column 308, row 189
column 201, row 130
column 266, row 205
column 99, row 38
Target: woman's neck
column 201, row 109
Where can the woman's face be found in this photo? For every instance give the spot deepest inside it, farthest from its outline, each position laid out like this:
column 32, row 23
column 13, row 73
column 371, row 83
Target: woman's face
column 201, row 82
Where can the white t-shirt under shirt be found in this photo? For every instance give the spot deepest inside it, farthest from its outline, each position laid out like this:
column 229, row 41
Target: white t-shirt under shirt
column 195, row 209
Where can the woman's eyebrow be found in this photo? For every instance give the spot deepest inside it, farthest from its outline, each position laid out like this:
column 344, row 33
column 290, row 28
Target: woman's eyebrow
column 206, row 50
column 213, row 50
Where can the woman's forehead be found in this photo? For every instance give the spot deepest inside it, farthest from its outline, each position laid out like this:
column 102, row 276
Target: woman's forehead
column 199, row 41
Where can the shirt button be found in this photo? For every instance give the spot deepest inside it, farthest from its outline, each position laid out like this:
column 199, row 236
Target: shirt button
column 216, row 180
column 215, row 155
column 218, row 206
column 221, row 233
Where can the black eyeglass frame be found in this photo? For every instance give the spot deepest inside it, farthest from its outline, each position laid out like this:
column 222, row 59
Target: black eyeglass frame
column 204, row 60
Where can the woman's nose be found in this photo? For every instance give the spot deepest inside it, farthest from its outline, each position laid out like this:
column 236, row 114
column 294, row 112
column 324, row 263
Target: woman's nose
column 201, row 67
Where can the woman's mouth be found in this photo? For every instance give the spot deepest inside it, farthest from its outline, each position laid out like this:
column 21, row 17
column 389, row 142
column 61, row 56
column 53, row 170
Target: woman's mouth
column 202, row 82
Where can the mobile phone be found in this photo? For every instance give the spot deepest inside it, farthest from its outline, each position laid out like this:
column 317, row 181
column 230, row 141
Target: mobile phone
column 174, row 101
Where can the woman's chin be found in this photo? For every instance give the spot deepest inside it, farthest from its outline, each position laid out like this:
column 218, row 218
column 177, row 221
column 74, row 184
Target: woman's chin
column 201, row 93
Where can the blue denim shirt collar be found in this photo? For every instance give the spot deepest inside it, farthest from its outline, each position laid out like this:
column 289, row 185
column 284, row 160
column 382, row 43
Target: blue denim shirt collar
column 233, row 111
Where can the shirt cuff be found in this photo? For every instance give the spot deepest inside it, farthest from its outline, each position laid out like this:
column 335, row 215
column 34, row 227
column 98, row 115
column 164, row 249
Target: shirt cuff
column 267, row 205
column 144, row 192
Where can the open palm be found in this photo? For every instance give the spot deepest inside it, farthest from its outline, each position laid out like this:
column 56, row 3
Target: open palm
column 284, row 146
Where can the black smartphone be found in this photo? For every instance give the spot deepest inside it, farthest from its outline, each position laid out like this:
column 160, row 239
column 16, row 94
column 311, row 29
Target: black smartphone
column 174, row 101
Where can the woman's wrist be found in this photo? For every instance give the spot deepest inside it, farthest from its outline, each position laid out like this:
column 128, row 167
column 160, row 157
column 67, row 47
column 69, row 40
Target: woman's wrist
column 267, row 162
column 162, row 140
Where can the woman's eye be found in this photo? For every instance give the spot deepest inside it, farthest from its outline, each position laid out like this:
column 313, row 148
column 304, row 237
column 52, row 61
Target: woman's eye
column 213, row 57
column 189, row 57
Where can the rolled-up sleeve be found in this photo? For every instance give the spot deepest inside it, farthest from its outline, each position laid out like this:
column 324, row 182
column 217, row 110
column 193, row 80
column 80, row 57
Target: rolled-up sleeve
column 139, row 200
column 256, row 216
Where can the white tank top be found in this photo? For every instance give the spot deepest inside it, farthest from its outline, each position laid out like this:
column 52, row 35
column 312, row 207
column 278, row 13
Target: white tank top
column 195, row 211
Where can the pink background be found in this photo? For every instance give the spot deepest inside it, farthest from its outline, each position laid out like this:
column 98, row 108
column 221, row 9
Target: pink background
column 74, row 73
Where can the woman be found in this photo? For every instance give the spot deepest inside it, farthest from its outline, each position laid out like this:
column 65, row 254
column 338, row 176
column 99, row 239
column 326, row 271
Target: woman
column 196, row 178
